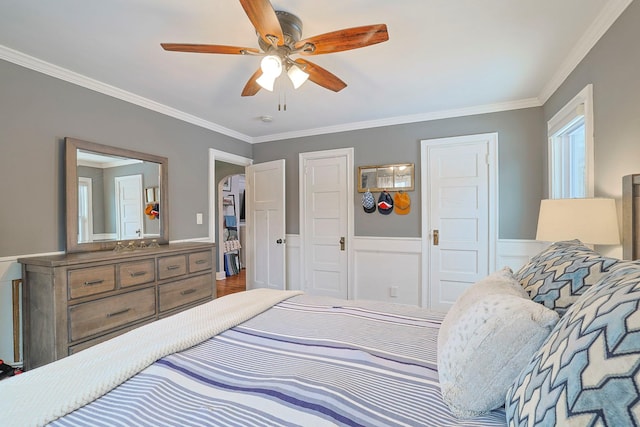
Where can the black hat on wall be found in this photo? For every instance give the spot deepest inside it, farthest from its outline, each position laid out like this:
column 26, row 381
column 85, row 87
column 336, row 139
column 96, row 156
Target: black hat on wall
column 385, row 203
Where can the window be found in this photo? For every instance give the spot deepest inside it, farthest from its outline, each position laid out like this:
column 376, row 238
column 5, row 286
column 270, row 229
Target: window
column 571, row 148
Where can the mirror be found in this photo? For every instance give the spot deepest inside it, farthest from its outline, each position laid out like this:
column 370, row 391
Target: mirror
column 386, row 177
column 109, row 192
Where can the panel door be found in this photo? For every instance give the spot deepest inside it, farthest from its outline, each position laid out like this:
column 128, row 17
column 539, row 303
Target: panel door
column 326, row 226
column 265, row 199
column 129, row 207
column 458, row 217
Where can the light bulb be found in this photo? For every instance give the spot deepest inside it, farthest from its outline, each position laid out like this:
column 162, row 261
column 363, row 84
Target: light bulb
column 271, row 65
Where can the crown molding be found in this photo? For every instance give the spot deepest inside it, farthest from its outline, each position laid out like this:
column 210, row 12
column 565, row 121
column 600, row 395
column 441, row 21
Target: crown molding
column 52, row 70
column 400, row 120
column 605, row 19
column 601, row 24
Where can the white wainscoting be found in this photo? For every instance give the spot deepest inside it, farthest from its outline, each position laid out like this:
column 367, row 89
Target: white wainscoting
column 292, row 254
column 10, row 269
column 516, row 253
column 389, row 268
column 383, row 269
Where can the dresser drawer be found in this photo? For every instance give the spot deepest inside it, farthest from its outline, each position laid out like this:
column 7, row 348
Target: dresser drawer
column 136, row 272
column 91, row 280
column 172, row 266
column 108, row 313
column 200, row 261
column 185, row 291
column 102, row 338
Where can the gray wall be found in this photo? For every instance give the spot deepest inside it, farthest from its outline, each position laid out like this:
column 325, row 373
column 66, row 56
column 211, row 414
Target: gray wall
column 521, row 134
column 38, row 111
column 613, row 67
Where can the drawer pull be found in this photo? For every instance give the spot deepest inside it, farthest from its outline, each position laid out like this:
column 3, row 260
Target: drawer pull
column 94, row 282
column 117, row 313
column 187, row 291
column 201, row 261
column 138, row 273
column 173, row 267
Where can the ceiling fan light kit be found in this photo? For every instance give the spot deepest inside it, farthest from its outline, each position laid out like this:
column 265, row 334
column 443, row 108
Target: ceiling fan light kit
column 297, row 76
column 271, row 67
column 280, row 37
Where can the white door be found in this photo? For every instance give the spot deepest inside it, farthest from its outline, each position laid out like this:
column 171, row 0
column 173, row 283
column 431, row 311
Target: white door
column 325, row 226
column 85, row 210
column 459, row 176
column 265, row 219
column 129, row 219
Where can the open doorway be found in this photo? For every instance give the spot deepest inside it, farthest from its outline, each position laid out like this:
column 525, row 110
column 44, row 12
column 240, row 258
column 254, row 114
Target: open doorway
column 231, row 233
column 221, row 165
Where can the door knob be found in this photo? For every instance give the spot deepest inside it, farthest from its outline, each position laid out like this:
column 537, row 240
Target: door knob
column 279, row 241
column 342, row 243
column 436, row 237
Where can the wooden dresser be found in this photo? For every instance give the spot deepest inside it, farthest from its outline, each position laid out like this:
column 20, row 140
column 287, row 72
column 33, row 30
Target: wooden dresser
column 74, row 301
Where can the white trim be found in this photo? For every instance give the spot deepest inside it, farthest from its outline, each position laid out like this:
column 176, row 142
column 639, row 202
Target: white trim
column 52, row 70
column 370, row 277
column 560, row 120
column 221, row 156
column 191, row 240
column 292, row 254
column 492, row 159
column 603, row 22
column 514, row 253
column 14, row 258
column 348, row 153
column 611, row 11
column 414, row 118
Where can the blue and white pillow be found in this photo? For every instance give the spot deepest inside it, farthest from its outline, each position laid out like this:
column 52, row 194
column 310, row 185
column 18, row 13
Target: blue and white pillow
column 559, row 275
column 588, row 371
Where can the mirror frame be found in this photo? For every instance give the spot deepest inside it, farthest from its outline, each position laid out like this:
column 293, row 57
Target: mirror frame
column 71, row 158
column 377, row 168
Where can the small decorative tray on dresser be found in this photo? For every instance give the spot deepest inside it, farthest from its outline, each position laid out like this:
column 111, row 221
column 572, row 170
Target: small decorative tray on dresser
column 73, row 301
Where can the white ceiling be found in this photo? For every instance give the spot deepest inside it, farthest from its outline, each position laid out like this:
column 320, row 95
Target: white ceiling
column 443, row 58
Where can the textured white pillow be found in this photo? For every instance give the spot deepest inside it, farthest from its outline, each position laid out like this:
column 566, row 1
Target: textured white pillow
column 487, row 343
column 501, row 282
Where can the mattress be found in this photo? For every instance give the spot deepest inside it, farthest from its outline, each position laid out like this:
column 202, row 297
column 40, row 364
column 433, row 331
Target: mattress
column 307, row 361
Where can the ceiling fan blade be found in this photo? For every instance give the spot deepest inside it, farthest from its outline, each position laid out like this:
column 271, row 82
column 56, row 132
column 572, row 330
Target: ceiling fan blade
column 252, row 87
column 347, row 39
column 207, row 48
column 264, row 19
column 321, row 77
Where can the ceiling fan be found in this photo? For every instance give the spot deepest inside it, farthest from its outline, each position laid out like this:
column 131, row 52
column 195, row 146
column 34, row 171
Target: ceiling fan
column 279, row 38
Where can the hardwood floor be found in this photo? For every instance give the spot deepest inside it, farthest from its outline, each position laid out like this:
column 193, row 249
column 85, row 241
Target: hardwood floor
column 231, row 284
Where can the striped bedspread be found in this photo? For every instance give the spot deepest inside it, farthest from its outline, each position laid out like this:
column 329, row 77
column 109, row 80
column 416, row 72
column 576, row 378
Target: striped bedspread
column 308, row 361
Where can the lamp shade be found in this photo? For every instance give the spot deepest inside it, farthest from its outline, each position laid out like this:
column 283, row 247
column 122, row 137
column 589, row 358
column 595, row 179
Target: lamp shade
column 297, row 76
column 591, row 220
column 266, row 82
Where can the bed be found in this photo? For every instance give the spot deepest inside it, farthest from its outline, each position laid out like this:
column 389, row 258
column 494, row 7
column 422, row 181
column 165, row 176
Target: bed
column 262, row 357
column 555, row 343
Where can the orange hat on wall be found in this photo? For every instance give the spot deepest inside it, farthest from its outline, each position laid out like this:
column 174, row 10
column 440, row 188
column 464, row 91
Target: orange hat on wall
column 402, row 203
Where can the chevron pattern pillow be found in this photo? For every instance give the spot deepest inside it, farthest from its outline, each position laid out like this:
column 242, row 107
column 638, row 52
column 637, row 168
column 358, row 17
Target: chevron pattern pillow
column 588, row 371
column 559, row 275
